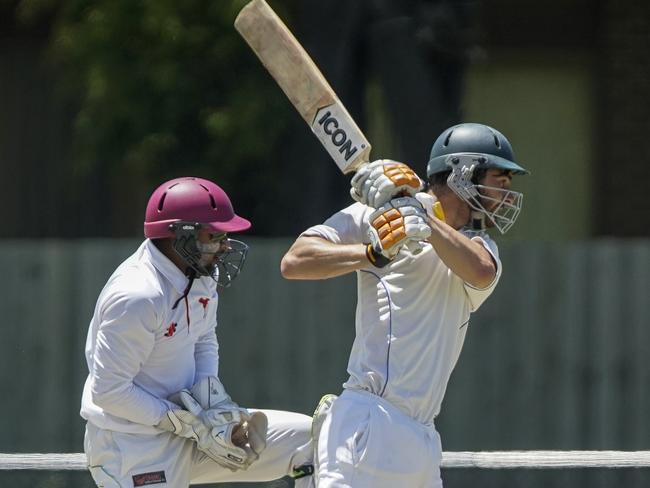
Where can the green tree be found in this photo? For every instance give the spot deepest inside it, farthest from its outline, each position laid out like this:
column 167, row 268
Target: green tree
column 162, row 88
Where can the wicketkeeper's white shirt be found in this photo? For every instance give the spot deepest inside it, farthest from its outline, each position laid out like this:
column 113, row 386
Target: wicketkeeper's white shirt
column 140, row 349
column 411, row 319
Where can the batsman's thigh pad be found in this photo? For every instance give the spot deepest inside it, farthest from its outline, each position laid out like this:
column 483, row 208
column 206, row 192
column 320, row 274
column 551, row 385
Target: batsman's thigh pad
column 368, row 443
column 137, row 459
column 288, row 446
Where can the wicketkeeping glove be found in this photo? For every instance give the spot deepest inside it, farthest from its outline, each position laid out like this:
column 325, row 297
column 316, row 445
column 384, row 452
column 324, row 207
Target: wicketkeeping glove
column 230, row 435
column 220, row 410
column 376, row 183
column 210, row 440
column 401, row 221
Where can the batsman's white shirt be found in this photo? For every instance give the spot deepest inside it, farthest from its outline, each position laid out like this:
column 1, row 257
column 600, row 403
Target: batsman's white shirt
column 411, row 319
column 141, row 348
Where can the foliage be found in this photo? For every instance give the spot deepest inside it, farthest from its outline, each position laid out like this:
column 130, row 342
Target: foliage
column 163, row 88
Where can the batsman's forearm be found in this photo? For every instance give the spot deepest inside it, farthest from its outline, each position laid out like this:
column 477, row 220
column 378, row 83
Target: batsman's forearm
column 313, row 258
column 466, row 258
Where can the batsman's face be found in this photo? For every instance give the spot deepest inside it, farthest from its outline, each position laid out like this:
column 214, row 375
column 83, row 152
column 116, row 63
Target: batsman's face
column 494, row 187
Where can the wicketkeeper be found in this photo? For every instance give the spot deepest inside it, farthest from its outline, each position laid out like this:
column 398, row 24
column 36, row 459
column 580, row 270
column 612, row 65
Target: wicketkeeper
column 156, row 411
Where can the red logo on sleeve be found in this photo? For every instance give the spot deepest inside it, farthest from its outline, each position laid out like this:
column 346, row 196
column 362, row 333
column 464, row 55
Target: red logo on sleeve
column 171, row 330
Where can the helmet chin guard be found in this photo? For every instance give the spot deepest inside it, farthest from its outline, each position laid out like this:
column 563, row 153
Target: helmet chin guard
column 230, row 262
column 502, row 210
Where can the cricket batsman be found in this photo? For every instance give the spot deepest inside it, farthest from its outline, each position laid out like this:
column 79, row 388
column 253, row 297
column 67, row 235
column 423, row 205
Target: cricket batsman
column 424, row 263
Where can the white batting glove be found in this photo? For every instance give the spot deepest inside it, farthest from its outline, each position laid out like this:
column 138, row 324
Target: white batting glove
column 376, row 183
column 401, row 221
column 432, row 206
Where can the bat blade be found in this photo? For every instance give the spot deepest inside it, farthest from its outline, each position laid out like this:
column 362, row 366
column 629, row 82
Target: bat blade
column 304, row 84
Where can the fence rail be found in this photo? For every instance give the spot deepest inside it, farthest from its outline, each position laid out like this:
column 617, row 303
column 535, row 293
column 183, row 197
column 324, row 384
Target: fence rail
column 452, row 459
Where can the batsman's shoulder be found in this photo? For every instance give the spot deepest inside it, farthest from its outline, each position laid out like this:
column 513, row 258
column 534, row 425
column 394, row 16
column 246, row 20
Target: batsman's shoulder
column 358, row 211
column 349, row 223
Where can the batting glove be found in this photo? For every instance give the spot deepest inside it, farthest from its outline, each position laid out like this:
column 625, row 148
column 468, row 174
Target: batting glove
column 376, row 183
column 400, row 222
column 432, row 206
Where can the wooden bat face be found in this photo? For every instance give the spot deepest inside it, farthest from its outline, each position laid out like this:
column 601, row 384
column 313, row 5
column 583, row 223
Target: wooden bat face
column 304, row 84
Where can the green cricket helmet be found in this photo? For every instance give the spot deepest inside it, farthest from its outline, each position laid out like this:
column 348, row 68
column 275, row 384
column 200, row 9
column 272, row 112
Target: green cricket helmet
column 473, row 139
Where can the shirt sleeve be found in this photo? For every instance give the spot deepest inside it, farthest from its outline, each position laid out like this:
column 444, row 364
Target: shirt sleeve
column 348, row 226
column 477, row 296
column 206, row 355
column 124, row 341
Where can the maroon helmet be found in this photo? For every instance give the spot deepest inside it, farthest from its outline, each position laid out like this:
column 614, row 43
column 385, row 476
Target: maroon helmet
column 180, row 208
column 192, row 200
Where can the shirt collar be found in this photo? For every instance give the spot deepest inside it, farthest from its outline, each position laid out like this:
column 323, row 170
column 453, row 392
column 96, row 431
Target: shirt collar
column 166, row 267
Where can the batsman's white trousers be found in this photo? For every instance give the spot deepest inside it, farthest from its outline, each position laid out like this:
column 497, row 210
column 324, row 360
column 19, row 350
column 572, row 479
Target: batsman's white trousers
column 120, row 460
column 366, row 442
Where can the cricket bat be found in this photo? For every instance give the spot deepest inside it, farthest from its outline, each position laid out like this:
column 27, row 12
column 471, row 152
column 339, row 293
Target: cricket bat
column 304, row 85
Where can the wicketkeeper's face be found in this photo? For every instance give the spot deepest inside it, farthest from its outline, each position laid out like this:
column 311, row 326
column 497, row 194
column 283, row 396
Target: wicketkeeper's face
column 210, row 246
